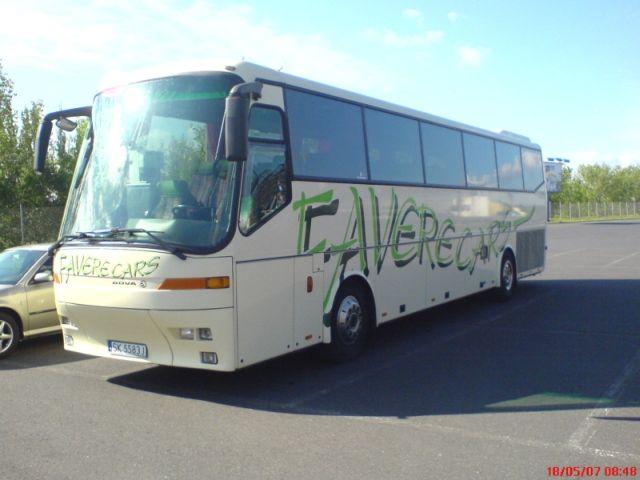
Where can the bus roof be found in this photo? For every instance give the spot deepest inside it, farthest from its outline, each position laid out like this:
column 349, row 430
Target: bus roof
column 251, row 72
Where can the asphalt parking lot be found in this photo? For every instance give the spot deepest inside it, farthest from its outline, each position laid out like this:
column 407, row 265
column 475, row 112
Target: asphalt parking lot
column 474, row 389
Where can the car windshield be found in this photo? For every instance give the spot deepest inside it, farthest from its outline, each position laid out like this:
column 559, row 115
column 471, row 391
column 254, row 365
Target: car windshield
column 15, row 263
column 150, row 161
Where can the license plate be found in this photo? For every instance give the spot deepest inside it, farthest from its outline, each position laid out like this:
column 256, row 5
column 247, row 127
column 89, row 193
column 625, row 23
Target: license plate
column 125, row 349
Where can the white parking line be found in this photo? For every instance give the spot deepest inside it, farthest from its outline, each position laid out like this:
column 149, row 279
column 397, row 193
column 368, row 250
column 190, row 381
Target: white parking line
column 587, row 429
column 568, row 252
column 478, row 435
column 626, row 257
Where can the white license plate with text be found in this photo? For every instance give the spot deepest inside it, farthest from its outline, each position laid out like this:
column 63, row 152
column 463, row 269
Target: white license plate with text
column 125, row 349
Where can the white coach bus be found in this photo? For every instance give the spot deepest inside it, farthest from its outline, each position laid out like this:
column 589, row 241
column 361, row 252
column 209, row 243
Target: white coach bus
column 221, row 218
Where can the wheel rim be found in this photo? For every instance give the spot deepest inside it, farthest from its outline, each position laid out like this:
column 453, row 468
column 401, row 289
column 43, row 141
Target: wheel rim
column 507, row 275
column 350, row 319
column 6, row 336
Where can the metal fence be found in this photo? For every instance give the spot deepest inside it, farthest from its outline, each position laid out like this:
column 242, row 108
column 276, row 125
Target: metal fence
column 21, row 224
column 592, row 210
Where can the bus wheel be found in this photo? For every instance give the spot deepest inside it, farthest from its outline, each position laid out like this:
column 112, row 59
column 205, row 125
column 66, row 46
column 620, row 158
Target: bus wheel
column 350, row 324
column 508, row 278
column 9, row 334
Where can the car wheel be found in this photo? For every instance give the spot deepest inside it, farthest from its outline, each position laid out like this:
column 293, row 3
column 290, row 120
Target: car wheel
column 9, row 334
column 508, row 278
column 350, row 324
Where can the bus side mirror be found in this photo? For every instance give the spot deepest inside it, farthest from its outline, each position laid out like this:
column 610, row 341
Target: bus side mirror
column 44, row 131
column 236, row 120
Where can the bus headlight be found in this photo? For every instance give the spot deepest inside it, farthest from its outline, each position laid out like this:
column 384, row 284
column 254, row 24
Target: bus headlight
column 187, row 334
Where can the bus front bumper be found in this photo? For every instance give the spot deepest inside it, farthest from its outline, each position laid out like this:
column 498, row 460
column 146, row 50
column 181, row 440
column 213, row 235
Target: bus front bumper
column 158, row 334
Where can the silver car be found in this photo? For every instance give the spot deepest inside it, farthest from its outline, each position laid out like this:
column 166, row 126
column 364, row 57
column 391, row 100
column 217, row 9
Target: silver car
column 27, row 305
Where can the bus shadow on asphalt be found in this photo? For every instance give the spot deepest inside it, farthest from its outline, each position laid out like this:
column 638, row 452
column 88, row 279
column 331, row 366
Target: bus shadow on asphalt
column 39, row 352
column 559, row 345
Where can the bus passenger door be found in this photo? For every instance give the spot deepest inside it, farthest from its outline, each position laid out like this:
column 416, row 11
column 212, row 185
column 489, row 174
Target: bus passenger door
column 264, row 285
column 307, row 291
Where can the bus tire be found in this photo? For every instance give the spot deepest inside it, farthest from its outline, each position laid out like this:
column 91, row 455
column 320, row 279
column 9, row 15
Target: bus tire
column 9, row 334
column 350, row 324
column 508, row 277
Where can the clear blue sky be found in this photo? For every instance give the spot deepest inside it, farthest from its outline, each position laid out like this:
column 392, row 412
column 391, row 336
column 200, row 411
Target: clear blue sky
column 565, row 73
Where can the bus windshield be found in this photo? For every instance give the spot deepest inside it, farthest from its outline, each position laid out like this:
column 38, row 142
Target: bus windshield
column 152, row 163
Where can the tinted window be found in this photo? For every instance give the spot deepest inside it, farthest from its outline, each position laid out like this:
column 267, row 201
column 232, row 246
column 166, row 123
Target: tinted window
column 509, row 166
column 442, row 152
column 327, row 138
column 47, row 266
column 264, row 189
column 265, row 123
column 480, row 161
column 532, row 166
column 393, row 144
column 15, row 263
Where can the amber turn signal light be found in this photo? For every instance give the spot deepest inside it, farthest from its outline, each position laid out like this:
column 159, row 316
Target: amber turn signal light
column 217, row 282
column 194, row 283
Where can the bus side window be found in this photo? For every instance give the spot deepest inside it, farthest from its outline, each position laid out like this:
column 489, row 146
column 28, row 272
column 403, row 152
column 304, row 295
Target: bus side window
column 532, row 169
column 264, row 188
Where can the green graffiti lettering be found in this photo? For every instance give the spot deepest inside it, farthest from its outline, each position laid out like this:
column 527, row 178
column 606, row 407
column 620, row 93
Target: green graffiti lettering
column 96, row 267
column 404, row 230
column 117, row 271
column 138, row 268
column 340, row 248
column 86, row 266
column 428, row 234
column 443, row 242
column 152, row 265
column 104, row 269
column 524, row 219
column 494, row 234
column 463, row 264
column 433, row 240
column 308, row 212
column 128, row 271
column 382, row 242
column 360, row 230
column 477, row 252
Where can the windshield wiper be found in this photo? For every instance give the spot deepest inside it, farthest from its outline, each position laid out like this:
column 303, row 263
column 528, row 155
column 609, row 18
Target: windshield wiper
column 113, row 232
column 68, row 238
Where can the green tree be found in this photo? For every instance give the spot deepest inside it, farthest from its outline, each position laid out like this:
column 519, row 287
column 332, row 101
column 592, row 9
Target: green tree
column 598, row 180
column 8, row 139
column 625, row 184
column 19, row 184
column 599, row 183
column 572, row 188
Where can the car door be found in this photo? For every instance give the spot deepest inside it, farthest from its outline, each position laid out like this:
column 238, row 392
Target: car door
column 40, row 300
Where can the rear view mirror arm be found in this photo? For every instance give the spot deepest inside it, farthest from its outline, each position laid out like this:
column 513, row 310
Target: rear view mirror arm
column 236, row 121
column 44, row 132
